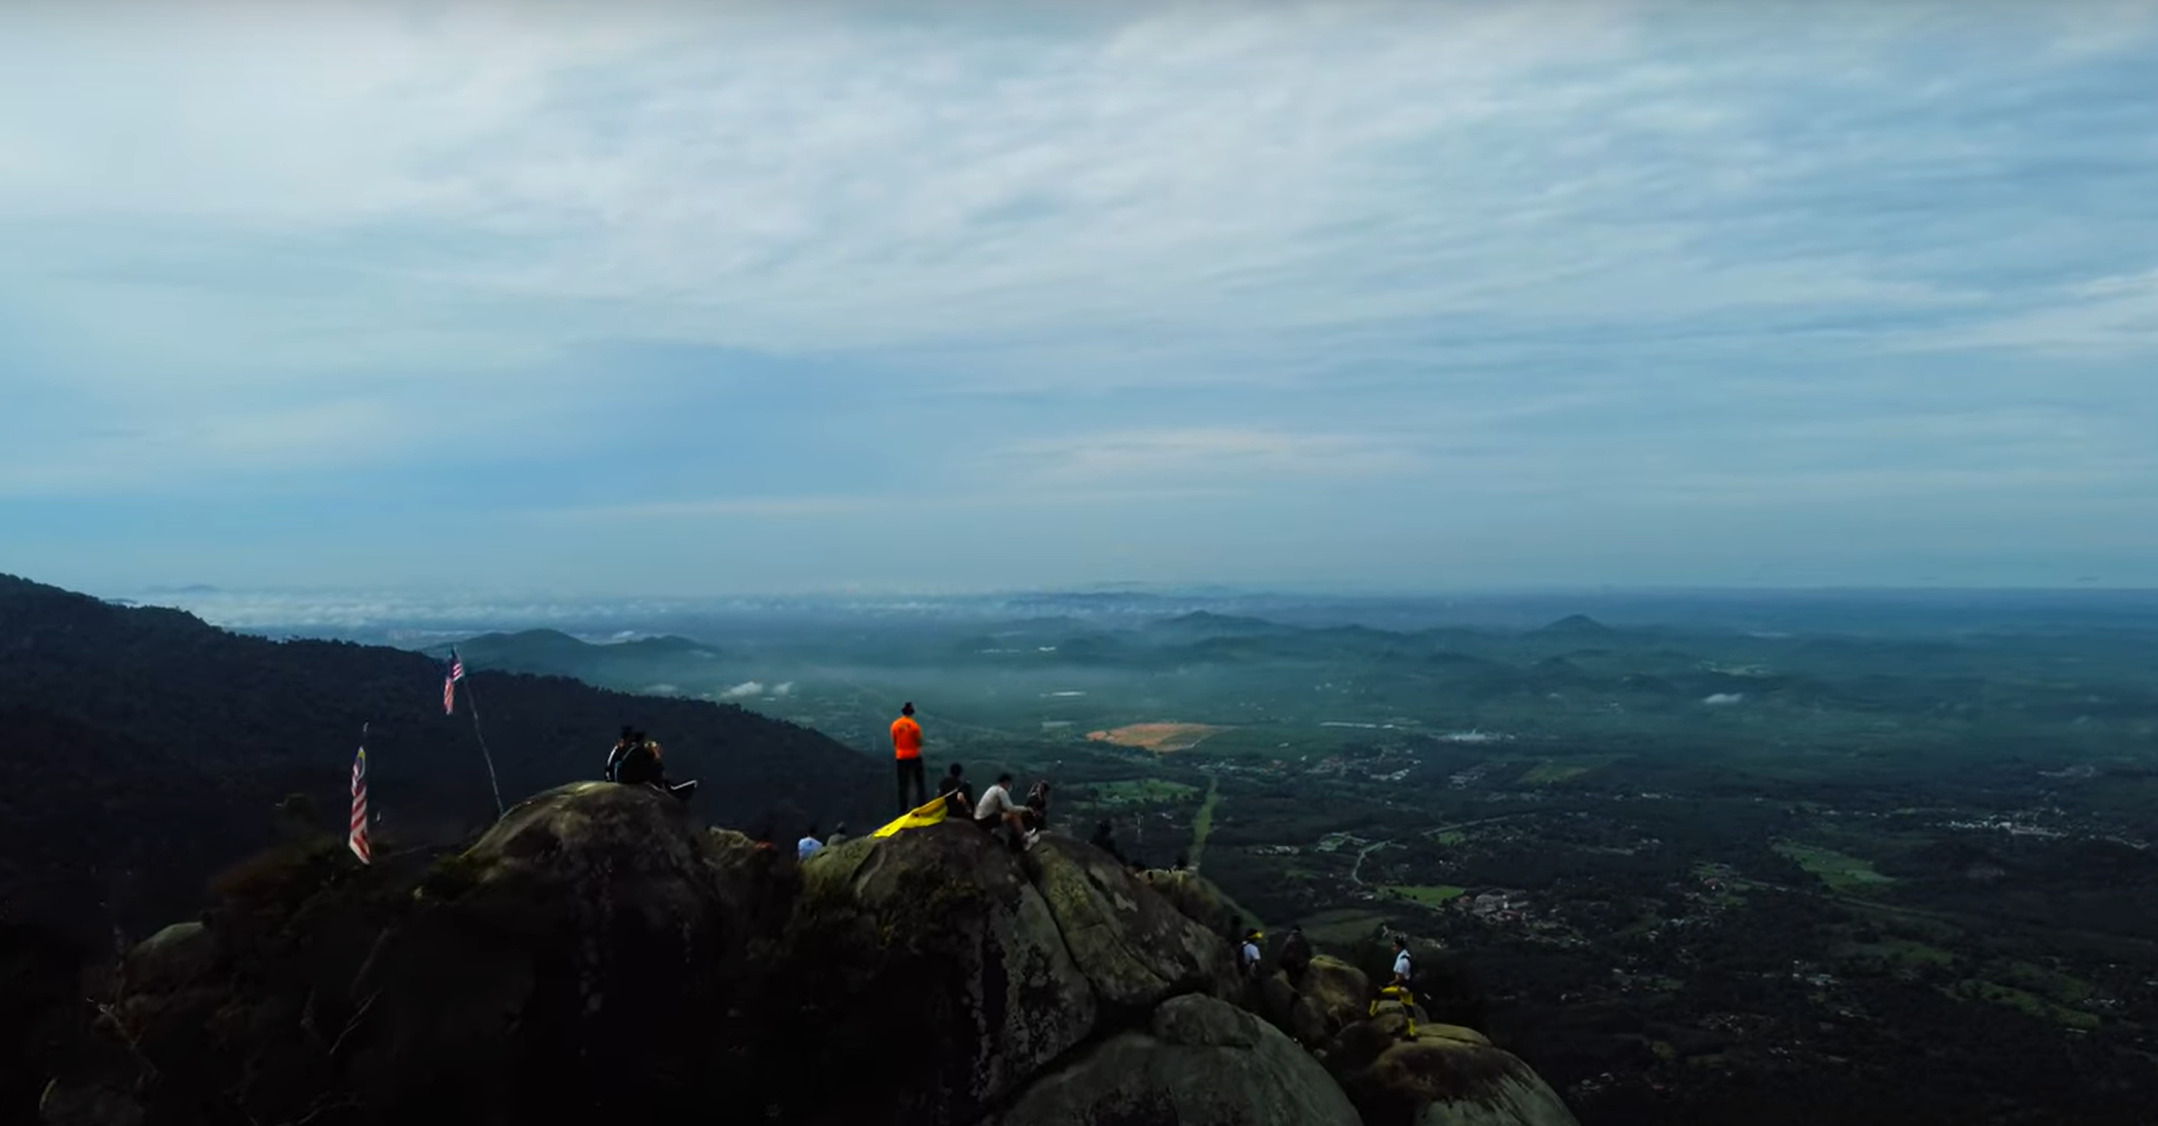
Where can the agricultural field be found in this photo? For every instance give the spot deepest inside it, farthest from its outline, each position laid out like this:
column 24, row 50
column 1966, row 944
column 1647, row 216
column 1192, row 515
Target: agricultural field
column 1900, row 844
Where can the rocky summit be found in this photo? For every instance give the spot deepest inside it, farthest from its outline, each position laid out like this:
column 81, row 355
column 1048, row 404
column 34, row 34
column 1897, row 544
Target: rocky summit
column 600, row 953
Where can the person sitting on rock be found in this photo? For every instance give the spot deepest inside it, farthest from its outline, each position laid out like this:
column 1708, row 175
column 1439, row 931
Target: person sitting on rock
column 1037, row 811
column 838, row 837
column 998, row 810
column 639, row 761
column 622, row 744
column 957, row 792
column 808, row 845
column 1295, row 954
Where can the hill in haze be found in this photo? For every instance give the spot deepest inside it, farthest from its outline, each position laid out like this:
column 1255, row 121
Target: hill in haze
column 645, row 660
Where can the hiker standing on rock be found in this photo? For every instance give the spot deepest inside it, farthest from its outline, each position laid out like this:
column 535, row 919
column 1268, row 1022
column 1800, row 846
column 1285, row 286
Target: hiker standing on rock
column 907, row 755
column 1398, row 990
column 1295, row 954
column 1104, row 838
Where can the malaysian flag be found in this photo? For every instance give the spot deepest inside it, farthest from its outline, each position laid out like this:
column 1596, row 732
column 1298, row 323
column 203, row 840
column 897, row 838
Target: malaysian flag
column 449, row 683
column 358, row 839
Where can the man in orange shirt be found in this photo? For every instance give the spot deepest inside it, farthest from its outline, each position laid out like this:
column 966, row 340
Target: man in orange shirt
column 907, row 753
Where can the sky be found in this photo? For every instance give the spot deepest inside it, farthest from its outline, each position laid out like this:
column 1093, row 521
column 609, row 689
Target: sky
column 641, row 298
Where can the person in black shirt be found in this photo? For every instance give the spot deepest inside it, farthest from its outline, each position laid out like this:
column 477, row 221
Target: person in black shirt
column 1037, row 810
column 1295, row 955
column 1103, row 840
column 957, row 792
column 638, row 761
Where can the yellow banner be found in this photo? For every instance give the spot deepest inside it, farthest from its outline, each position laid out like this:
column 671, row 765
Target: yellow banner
column 928, row 814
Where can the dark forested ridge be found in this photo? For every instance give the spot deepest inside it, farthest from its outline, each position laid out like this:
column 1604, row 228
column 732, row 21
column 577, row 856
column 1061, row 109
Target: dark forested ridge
column 142, row 750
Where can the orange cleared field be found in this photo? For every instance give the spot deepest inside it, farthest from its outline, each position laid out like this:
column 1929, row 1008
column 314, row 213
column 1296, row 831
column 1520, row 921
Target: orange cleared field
column 1160, row 738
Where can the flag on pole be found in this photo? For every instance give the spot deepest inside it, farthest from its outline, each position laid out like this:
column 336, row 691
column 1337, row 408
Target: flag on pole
column 449, row 683
column 358, row 839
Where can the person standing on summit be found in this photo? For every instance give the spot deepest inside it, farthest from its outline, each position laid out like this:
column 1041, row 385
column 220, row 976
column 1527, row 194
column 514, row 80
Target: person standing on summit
column 907, row 755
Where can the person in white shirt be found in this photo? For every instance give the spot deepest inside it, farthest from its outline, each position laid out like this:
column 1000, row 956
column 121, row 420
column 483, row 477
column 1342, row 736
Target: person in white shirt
column 1398, row 989
column 808, row 845
column 998, row 809
column 1247, row 955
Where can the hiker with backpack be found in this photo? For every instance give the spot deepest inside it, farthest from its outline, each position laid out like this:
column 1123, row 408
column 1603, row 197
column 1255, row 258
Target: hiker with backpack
column 1247, row 954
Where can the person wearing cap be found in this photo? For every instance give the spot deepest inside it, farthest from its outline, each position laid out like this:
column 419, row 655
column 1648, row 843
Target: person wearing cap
column 1247, row 954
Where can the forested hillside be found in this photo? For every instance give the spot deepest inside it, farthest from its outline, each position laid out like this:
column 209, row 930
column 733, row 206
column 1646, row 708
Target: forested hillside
column 142, row 750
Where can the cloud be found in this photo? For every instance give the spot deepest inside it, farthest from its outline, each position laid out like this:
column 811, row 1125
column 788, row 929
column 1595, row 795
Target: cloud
column 1724, row 699
column 743, row 691
column 1241, row 174
column 1206, row 454
column 722, row 507
column 1063, row 270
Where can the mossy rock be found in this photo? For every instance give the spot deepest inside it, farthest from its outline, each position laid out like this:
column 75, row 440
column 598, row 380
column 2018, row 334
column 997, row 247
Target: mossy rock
column 933, row 971
column 1451, row 1076
column 1132, row 945
column 1201, row 1062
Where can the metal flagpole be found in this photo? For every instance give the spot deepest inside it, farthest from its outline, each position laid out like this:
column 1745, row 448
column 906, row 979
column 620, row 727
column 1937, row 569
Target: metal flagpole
column 473, row 698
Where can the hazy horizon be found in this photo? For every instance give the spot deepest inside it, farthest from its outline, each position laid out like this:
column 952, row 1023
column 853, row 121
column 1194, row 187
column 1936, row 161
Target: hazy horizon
column 667, row 301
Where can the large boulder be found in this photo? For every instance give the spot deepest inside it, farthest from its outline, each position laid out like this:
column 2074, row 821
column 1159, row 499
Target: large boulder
column 1316, row 1005
column 69, row 1104
column 600, row 955
column 585, row 938
column 930, row 969
column 1450, row 1076
column 559, row 953
column 1200, row 901
column 173, row 958
column 1130, row 943
column 1201, row 1062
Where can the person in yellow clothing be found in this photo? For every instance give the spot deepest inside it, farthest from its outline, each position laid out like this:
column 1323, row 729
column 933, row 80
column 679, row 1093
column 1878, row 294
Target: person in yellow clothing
column 907, row 755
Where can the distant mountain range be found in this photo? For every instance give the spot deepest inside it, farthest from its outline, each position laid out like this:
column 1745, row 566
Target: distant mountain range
column 142, row 750
column 552, row 652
